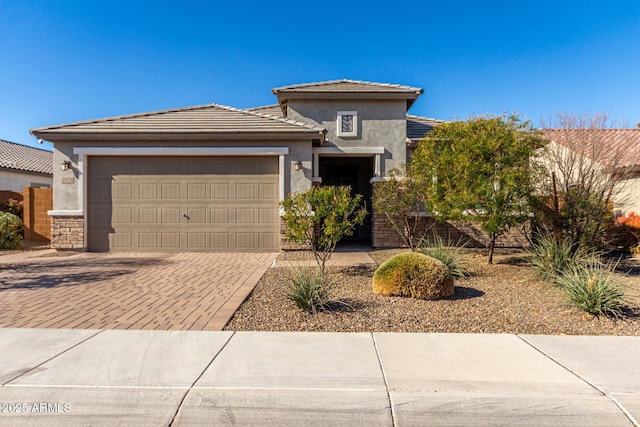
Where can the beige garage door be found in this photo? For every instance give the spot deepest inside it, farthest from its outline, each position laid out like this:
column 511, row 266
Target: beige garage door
column 211, row 204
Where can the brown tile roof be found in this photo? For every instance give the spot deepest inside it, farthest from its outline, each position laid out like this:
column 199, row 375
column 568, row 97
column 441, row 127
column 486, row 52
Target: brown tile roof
column 348, row 89
column 273, row 110
column 24, row 158
column 346, row 85
column 207, row 120
column 418, row 127
column 620, row 148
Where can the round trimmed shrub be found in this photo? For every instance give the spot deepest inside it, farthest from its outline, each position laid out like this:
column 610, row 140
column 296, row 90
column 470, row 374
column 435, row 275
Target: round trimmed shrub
column 10, row 231
column 413, row 275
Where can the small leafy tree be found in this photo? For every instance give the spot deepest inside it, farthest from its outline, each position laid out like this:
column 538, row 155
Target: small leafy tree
column 401, row 200
column 478, row 170
column 320, row 217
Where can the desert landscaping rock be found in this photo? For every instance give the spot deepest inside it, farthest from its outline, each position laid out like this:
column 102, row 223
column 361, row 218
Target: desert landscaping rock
column 502, row 298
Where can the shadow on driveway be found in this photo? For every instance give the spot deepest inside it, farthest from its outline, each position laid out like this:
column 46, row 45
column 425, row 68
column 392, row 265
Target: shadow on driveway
column 71, row 272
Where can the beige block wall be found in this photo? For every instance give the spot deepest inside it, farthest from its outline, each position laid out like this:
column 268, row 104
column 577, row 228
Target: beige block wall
column 384, row 236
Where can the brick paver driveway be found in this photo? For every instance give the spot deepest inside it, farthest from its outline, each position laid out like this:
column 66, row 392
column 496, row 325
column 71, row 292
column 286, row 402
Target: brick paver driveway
column 185, row 291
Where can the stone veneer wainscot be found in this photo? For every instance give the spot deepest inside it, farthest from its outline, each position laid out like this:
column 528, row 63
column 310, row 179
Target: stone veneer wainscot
column 67, row 232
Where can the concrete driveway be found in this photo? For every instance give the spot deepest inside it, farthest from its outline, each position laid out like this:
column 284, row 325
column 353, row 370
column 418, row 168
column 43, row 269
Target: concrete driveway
column 163, row 291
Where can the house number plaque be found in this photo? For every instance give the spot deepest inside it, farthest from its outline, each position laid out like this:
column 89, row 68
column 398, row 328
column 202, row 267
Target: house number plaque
column 68, row 180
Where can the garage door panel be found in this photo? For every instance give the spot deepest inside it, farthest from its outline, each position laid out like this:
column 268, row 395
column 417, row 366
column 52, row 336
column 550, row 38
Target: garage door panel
column 123, row 216
column 183, row 204
column 170, row 215
column 122, row 191
column 268, row 191
column 197, row 191
column 196, row 240
column 197, row 215
column 170, row 240
column 245, row 216
column 148, row 240
column 219, row 191
column 219, row 240
column 148, row 191
column 269, row 240
column 245, row 240
column 122, row 241
column 148, row 216
column 219, row 215
column 245, row 191
column 170, row 191
column 268, row 215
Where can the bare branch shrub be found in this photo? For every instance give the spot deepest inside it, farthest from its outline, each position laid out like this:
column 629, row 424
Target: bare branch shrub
column 581, row 175
column 402, row 201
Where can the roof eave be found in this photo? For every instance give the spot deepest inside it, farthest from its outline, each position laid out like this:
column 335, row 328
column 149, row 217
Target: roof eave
column 26, row 171
column 410, row 97
column 349, row 95
column 54, row 137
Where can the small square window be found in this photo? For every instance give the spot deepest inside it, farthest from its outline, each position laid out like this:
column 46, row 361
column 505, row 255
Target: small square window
column 347, row 123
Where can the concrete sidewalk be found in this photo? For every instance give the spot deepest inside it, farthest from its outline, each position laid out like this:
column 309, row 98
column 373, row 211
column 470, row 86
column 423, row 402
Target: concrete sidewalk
column 159, row 378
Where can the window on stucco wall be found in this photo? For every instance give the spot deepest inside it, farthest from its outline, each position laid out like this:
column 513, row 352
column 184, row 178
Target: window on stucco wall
column 347, row 123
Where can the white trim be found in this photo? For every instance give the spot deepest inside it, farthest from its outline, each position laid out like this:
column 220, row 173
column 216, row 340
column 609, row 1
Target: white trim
column 281, row 176
column 376, row 152
column 181, row 151
column 348, row 150
column 66, row 213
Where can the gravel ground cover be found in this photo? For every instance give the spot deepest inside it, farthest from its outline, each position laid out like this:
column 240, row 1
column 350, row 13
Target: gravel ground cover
column 502, row 298
column 26, row 246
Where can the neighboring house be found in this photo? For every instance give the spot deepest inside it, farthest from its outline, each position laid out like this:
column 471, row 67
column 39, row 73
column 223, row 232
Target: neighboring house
column 616, row 150
column 209, row 178
column 22, row 166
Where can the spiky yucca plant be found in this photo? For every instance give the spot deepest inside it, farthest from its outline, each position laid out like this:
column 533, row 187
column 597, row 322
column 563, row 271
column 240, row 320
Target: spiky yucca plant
column 551, row 257
column 593, row 288
column 448, row 252
column 310, row 290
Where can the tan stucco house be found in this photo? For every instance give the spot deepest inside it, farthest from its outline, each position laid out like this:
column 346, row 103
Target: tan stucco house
column 210, row 177
column 615, row 150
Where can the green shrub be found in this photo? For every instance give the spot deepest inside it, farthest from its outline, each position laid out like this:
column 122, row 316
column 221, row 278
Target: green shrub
column 593, row 288
column 13, row 207
column 551, row 258
column 413, row 275
column 320, row 217
column 10, row 230
column 448, row 252
column 310, row 290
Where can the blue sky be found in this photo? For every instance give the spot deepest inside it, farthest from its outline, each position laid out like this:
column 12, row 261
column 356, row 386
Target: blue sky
column 70, row 60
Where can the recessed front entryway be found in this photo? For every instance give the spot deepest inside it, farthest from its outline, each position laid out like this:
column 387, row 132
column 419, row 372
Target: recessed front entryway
column 177, row 291
column 161, row 203
column 355, row 172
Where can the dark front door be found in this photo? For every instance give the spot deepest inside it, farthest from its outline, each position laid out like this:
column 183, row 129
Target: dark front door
column 356, row 173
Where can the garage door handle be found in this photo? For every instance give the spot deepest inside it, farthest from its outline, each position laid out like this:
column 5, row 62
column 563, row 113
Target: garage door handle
column 186, row 216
